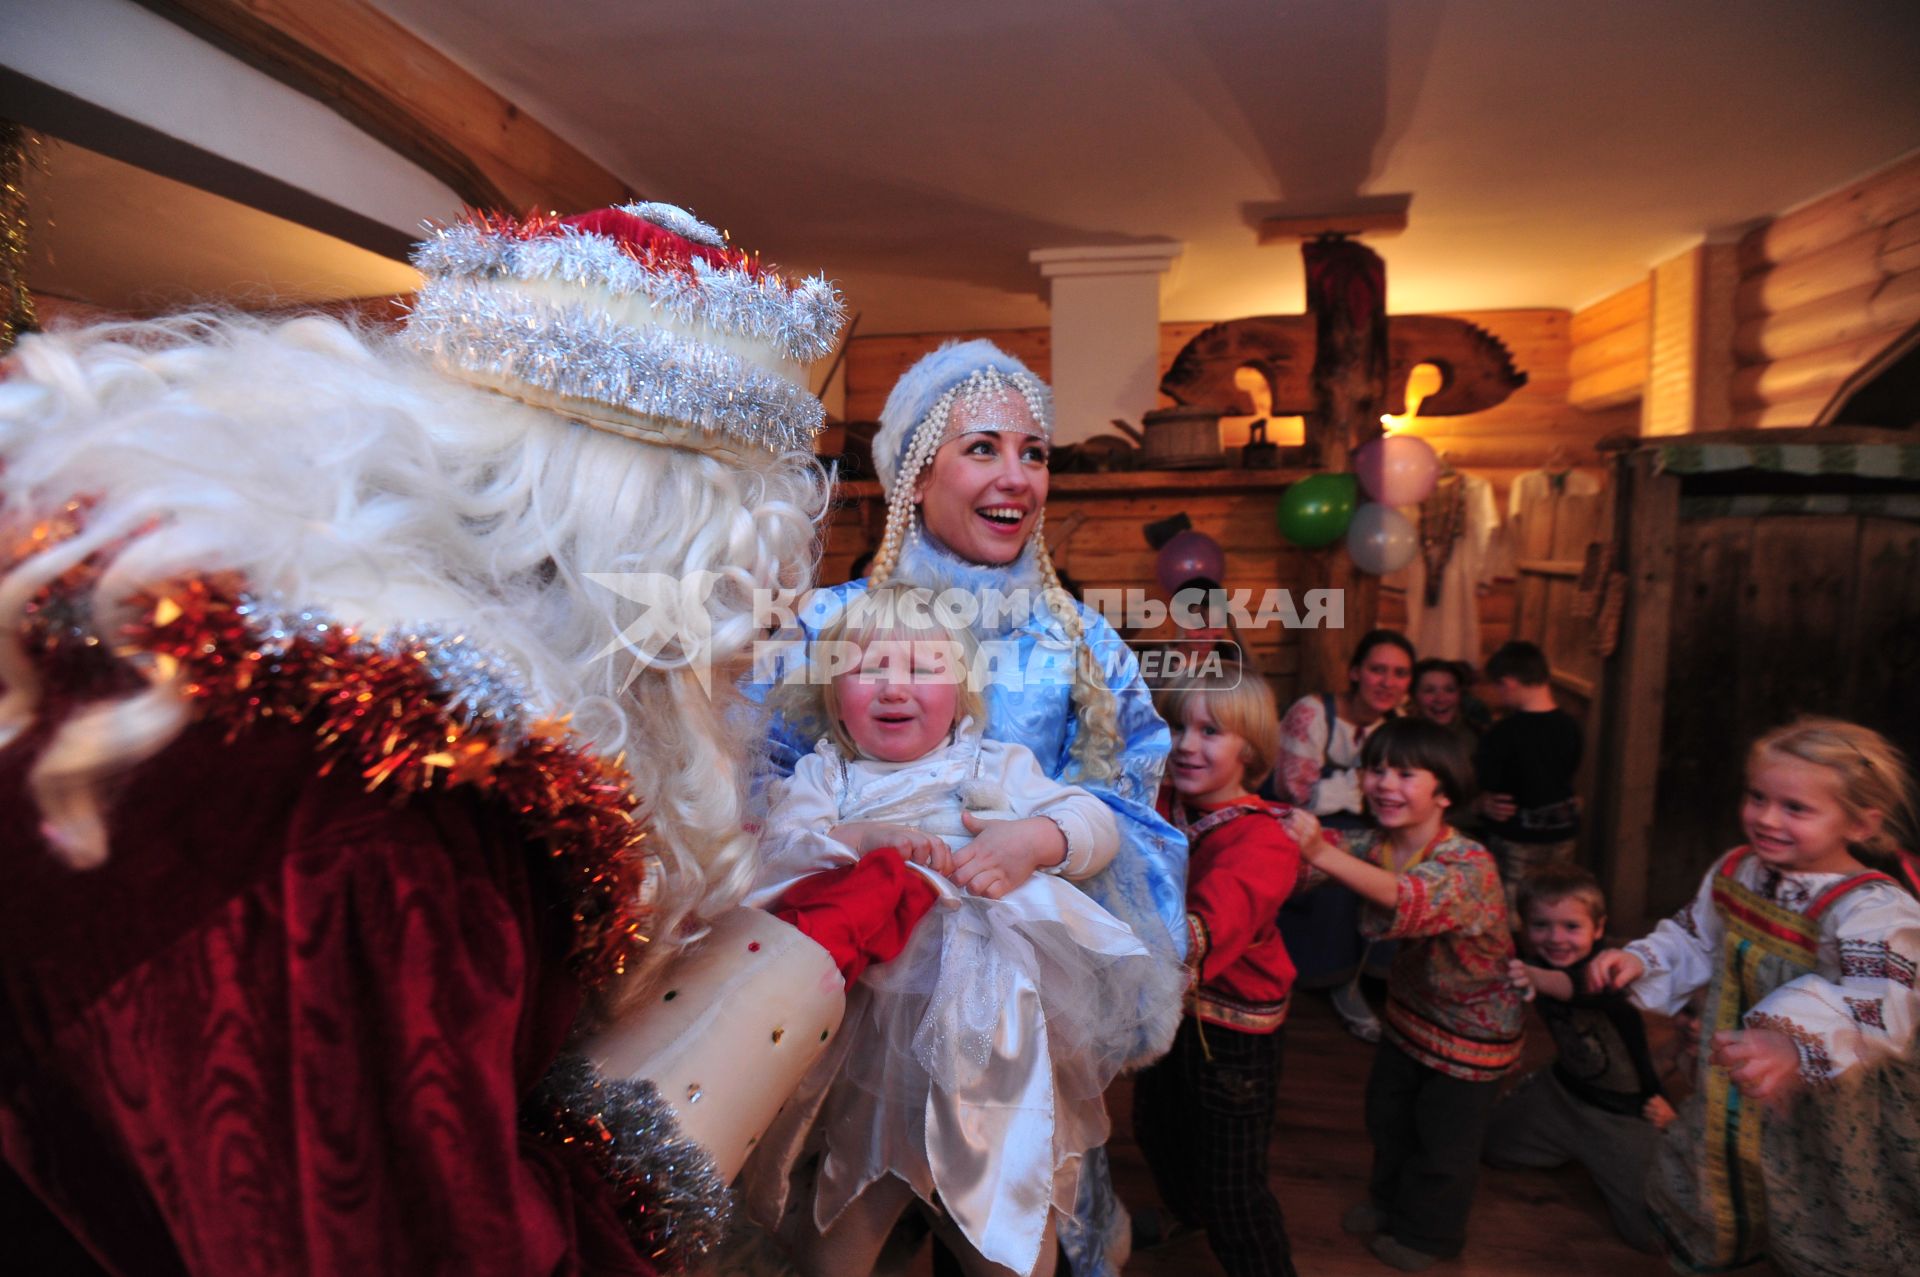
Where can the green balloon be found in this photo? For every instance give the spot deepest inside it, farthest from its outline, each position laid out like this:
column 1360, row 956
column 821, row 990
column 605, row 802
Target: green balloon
column 1315, row 511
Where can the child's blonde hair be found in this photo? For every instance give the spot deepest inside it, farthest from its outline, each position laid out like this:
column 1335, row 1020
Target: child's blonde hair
column 1872, row 774
column 1239, row 703
column 887, row 613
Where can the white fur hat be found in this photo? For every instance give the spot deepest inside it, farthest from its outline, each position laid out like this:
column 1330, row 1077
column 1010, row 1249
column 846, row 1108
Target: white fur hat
column 639, row 320
column 932, row 382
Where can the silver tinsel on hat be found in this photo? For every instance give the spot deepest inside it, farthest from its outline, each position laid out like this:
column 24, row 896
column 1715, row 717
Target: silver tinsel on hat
column 669, row 1193
column 802, row 321
column 680, row 221
column 580, row 353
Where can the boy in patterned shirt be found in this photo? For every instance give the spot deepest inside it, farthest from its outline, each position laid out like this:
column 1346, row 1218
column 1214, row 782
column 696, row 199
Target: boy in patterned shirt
column 1453, row 1019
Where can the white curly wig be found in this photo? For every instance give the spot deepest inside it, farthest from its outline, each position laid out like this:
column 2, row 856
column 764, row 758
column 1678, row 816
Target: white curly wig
column 334, row 469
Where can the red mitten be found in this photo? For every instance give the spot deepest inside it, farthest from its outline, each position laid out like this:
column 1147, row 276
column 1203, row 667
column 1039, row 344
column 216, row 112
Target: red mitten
column 860, row 913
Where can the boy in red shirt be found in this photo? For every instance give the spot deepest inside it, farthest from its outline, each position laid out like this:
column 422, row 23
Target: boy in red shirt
column 1204, row 1114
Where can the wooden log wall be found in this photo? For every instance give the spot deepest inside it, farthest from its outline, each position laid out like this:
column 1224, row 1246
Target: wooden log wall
column 1095, row 524
column 1608, row 362
column 1236, row 508
column 1822, row 290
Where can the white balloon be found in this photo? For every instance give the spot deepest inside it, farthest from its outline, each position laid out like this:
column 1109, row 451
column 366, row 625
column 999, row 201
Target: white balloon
column 1381, row 539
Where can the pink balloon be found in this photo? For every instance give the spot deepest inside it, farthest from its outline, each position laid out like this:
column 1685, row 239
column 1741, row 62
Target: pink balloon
column 1188, row 555
column 1397, row 469
column 1381, row 539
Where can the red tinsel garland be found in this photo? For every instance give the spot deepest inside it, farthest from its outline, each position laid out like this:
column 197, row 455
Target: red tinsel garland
column 382, row 714
column 655, row 247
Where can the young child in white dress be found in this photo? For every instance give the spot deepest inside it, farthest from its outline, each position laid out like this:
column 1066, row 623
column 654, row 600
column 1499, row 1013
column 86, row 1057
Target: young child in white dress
column 969, row 1070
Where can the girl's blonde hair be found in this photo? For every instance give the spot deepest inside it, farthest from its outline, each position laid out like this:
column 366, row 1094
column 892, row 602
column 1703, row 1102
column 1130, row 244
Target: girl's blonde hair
column 895, row 613
column 1872, row 775
column 1241, row 704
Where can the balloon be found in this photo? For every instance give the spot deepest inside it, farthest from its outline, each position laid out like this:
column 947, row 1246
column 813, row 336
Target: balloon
column 1186, row 556
column 1381, row 539
column 1397, row 469
column 1316, row 510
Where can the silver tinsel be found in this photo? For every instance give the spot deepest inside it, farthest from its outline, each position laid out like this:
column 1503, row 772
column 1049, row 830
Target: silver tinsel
column 477, row 686
column 579, row 353
column 670, row 1194
column 801, row 321
column 680, row 221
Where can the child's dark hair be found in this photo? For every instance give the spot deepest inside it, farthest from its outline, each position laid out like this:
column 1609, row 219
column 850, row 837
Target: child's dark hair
column 1415, row 742
column 1551, row 884
column 1519, row 660
column 1461, row 672
column 1380, row 638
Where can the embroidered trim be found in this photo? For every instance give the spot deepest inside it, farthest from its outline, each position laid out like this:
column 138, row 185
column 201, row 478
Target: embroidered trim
column 1247, row 1017
column 1447, row 1049
column 1816, row 1066
column 1869, row 1013
column 1199, row 942
column 1875, row 960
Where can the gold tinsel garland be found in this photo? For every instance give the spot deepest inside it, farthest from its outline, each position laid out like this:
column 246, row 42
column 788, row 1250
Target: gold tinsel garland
column 16, row 303
column 380, row 710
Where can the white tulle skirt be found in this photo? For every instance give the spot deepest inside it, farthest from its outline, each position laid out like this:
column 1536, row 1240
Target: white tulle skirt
column 972, row 1066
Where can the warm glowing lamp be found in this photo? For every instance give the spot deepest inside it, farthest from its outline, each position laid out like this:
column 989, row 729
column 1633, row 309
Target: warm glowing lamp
column 1424, row 380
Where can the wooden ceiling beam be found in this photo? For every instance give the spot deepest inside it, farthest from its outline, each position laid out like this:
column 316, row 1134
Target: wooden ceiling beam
column 408, row 96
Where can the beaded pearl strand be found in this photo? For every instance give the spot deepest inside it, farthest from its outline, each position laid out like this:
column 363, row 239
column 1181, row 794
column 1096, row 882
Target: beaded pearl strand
column 1099, row 738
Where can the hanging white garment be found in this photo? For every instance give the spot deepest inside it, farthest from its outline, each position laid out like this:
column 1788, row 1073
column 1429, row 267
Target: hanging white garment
column 1450, row 626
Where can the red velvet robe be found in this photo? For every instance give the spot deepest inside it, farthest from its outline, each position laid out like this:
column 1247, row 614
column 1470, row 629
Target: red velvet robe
column 286, row 1028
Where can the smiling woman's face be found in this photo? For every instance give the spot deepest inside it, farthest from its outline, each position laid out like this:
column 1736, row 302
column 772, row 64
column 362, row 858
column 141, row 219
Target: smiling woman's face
column 984, row 492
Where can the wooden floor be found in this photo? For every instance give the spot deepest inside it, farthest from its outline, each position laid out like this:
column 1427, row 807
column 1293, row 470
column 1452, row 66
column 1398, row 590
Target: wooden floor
column 1524, row 1224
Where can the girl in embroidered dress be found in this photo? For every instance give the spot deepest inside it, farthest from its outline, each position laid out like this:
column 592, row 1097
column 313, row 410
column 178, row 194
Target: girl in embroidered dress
column 1453, row 1023
column 1807, row 954
column 971, row 1067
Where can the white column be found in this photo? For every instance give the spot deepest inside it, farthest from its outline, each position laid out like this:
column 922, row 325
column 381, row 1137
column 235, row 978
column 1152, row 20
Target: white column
column 1106, row 332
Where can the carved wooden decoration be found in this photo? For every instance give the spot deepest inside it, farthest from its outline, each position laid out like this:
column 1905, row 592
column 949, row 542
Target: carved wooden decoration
column 1476, row 369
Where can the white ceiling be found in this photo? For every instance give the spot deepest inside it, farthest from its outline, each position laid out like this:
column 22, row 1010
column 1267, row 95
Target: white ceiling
column 917, row 150
column 115, row 236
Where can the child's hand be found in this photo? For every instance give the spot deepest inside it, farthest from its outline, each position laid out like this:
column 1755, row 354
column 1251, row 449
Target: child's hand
column 921, row 848
column 1004, row 853
column 1765, row 1065
column 1613, row 969
column 1659, row 1112
column 1304, row 828
column 1497, row 806
column 1520, row 976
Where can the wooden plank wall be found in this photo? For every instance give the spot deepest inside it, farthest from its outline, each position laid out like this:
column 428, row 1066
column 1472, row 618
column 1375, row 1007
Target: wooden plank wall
column 1774, row 617
column 1104, row 546
column 1822, row 290
column 1110, row 552
column 1608, row 362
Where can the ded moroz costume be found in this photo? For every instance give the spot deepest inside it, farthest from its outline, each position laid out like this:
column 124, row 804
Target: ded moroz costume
column 339, row 796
